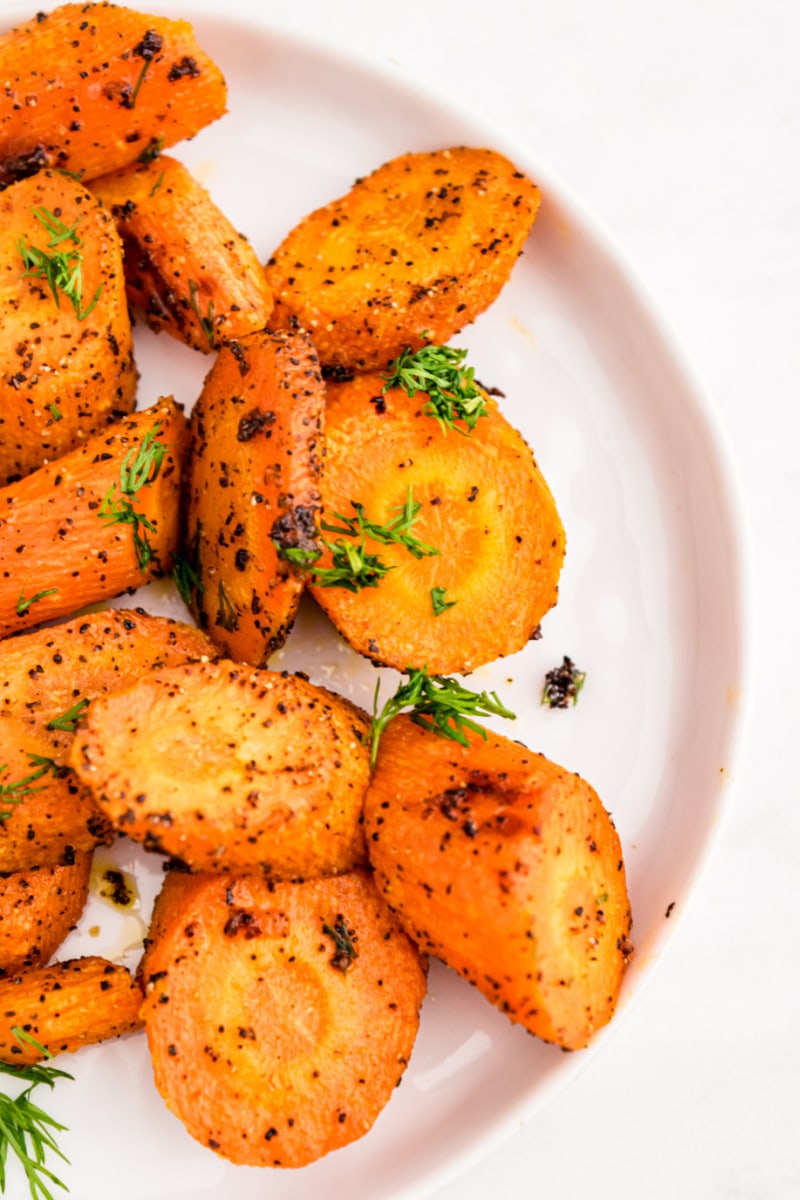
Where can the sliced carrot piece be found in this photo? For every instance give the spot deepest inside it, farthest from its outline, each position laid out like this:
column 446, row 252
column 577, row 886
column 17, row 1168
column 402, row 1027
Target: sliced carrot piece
column 45, row 677
column 279, row 1018
column 66, row 354
column 416, row 251
column 66, row 1006
column 253, row 490
column 81, row 529
column 37, row 910
column 186, row 267
column 507, row 867
column 484, row 506
column 90, row 87
column 231, row 769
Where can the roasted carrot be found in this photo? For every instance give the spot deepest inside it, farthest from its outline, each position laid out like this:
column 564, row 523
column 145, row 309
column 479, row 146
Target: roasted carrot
column 279, row 1018
column 37, row 910
column 47, row 679
column 230, row 769
column 186, row 267
column 508, row 868
column 66, row 359
column 66, row 1006
column 416, row 251
column 482, row 566
column 99, row 521
column 90, row 88
column 253, row 490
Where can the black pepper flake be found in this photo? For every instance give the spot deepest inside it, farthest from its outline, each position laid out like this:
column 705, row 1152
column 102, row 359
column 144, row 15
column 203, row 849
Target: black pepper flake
column 562, row 685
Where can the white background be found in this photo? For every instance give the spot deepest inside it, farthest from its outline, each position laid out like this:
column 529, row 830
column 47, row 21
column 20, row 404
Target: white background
column 679, row 124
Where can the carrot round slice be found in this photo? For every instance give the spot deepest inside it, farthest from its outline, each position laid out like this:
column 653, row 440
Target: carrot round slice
column 66, row 1006
column 412, row 254
column 253, row 490
column 279, row 1018
column 37, row 910
column 231, row 769
column 484, row 507
column 507, row 867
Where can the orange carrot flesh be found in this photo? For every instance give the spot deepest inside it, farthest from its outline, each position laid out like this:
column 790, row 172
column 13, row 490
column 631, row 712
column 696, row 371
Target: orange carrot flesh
column 230, row 769
column 484, row 507
column 300, row 1050
column 412, row 254
column 253, row 490
column 90, row 87
column 37, row 910
column 67, row 536
column 66, row 1006
column 186, row 267
column 508, row 868
column 66, row 365
column 45, row 676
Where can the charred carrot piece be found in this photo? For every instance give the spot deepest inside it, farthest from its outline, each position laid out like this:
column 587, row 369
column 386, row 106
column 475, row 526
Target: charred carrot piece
column 38, row 908
column 301, row 1045
column 90, row 88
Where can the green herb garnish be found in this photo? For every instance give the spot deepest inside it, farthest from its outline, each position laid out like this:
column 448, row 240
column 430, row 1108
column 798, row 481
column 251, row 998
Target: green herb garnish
column 23, row 605
column 62, row 269
column 439, row 602
column 55, row 412
column 68, row 722
column 152, row 150
column 343, row 939
column 15, row 793
column 439, row 704
column 453, row 394
column 139, row 469
column 25, row 1129
column 206, row 322
column 298, row 556
column 157, row 184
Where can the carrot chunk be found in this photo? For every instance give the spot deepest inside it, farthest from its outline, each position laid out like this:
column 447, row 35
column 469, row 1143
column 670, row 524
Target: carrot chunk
column 508, row 868
column 186, row 267
column 37, row 910
column 90, row 88
column 230, row 769
column 47, row 678
column 492, row 541
column 253, row 490
column 66, row 1006
column 66, row 354
column 416, row 251
column 279, row 1018
column 100, row 520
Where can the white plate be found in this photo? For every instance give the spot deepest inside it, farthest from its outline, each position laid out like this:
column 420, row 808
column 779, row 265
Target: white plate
column 652, row 607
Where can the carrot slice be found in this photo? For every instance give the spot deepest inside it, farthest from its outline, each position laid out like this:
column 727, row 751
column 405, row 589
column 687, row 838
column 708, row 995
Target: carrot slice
column 66, row 354
column 46, row 679
column 507, row 867
column 253, row 490
column 484, row 506
column 279, row 1018
column 186, row 266
column 66, row 1006
column 231, row 769
column 37, row 910
column 416, row 251
column 91, row 87
column 100, row 520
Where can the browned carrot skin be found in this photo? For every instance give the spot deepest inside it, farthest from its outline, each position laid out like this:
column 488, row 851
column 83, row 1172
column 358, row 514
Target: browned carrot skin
column 89, row 88
column 413, row 253
column 508, row 868
column 301, row 1047
column 43, row 675
column 186, row 267
column 37, row 910
column 62, row 378
column 231, row 769
column 53, row 538
column 253, row 490
column 485, row 507
column 66, row 1006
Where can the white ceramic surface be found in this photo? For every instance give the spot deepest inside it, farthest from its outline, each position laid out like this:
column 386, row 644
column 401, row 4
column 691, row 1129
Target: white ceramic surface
column 652, row 607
